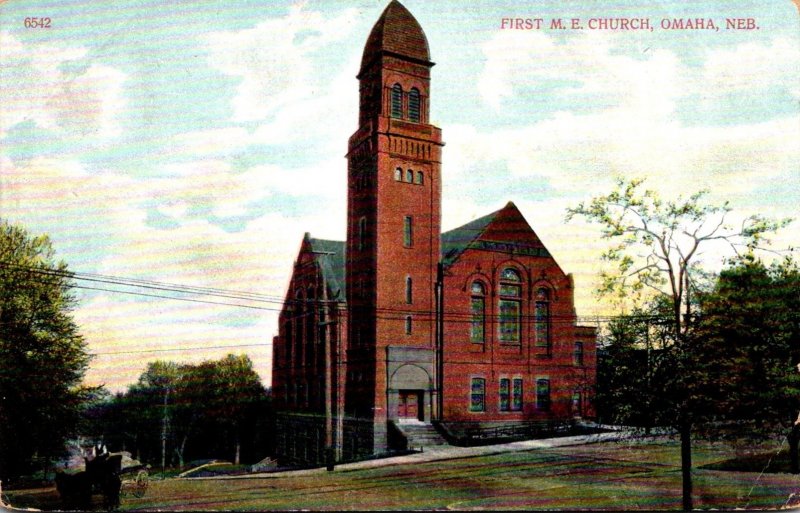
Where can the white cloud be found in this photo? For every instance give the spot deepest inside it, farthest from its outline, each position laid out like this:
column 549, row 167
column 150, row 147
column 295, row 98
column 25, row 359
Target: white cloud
column 752, row 67
column 583, row 68
column 209, row 183
column 282, row 74
column 33, row 86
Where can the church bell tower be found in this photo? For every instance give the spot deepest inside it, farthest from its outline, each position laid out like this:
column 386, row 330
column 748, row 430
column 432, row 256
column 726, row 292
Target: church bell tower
column 393, row 230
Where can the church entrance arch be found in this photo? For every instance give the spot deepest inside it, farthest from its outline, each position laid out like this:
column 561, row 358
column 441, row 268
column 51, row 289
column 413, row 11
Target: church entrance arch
column 409, row 393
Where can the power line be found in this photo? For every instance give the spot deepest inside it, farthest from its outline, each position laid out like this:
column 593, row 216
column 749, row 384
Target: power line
column 139, row 351
column 384, row 313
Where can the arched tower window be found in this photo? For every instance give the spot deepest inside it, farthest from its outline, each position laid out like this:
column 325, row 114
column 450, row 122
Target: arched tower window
column 397, row 101
column 478, row 310
column 413, row 105
column 420, row 178
column 409, row 176
column 542, row 316
column 510, row 306
column 398, row 174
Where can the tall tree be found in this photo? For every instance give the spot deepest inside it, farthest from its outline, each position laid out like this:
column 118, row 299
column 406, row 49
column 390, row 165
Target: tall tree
column 633, row 367
column 43, row 357
column 656, row 249
column 176, row 412
column 749, row 338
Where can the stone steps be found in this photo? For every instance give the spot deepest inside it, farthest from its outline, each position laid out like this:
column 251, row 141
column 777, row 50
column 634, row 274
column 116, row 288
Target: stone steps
column 421, row 435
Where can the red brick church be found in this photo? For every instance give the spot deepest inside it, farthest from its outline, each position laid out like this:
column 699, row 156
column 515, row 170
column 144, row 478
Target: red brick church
column 401, row 328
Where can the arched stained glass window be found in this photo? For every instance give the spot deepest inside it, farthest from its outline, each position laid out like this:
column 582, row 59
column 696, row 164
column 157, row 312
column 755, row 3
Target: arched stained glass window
column 510, row 306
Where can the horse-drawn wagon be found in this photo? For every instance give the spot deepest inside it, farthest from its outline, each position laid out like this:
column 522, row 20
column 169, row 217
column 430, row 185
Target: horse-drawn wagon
column 104, row 474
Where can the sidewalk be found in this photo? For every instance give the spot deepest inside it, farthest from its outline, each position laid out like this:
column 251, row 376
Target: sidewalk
column 447, row 452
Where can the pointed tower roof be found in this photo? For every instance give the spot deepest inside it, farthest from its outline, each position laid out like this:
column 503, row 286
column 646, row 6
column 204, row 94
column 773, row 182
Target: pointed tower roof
column 505, row 226
column 397, row 32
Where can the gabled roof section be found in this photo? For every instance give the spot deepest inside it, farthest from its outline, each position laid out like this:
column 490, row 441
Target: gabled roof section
column 397, row 32
column 504, row 230
column 330, row 255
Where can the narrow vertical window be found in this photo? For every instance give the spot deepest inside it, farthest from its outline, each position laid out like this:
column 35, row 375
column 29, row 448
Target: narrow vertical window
column 398, row 174
column 577, row 356
column 478, row 311
column 409, row 176
column 542, row 314
column 298, row 328
column 505, row 394
column 477, row 396
column 362, row 232
column 510, row 306
column 287, row 326
column 420, row 178
column 408, row 232
column 413, row 105
column 516, row 395
column 577, row 403
column 543, row 394
column 409, row 290
column 397, row 101
column 408, row 325
column 310, row 332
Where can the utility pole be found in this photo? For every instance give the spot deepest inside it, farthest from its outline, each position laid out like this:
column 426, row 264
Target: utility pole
column 324, row 304
column 164, row 420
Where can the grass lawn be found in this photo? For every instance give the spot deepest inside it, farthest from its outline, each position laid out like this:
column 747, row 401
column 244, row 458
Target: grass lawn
column 622, row 475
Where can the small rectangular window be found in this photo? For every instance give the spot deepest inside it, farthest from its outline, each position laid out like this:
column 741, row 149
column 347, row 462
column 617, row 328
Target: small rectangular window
column 543, row 394
column 408, row 232
column 408, row 325
column 509, row 290
column 578, row 354
column 505, row 394
column 477, row 400
column 577, row 403
column 516, row 395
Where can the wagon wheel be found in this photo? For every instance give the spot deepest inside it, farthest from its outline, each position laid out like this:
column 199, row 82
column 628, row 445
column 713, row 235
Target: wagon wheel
column 140, row 484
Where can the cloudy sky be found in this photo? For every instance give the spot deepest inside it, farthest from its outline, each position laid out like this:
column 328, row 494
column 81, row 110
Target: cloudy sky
column 193, row 143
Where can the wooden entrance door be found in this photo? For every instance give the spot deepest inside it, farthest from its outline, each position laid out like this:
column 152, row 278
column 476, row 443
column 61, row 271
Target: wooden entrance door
column 409, row 405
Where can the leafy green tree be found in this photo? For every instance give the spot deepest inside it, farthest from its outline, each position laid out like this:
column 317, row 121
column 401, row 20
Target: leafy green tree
column 633, row 366
column 43, row 356
column 748, row 341
column 656, row 252
column 177, row 412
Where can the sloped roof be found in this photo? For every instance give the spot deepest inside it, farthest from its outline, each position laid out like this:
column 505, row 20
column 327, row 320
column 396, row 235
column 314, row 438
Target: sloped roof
column 506, row 225
column 396, row 31
column 456, row 240
column 330, row 255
